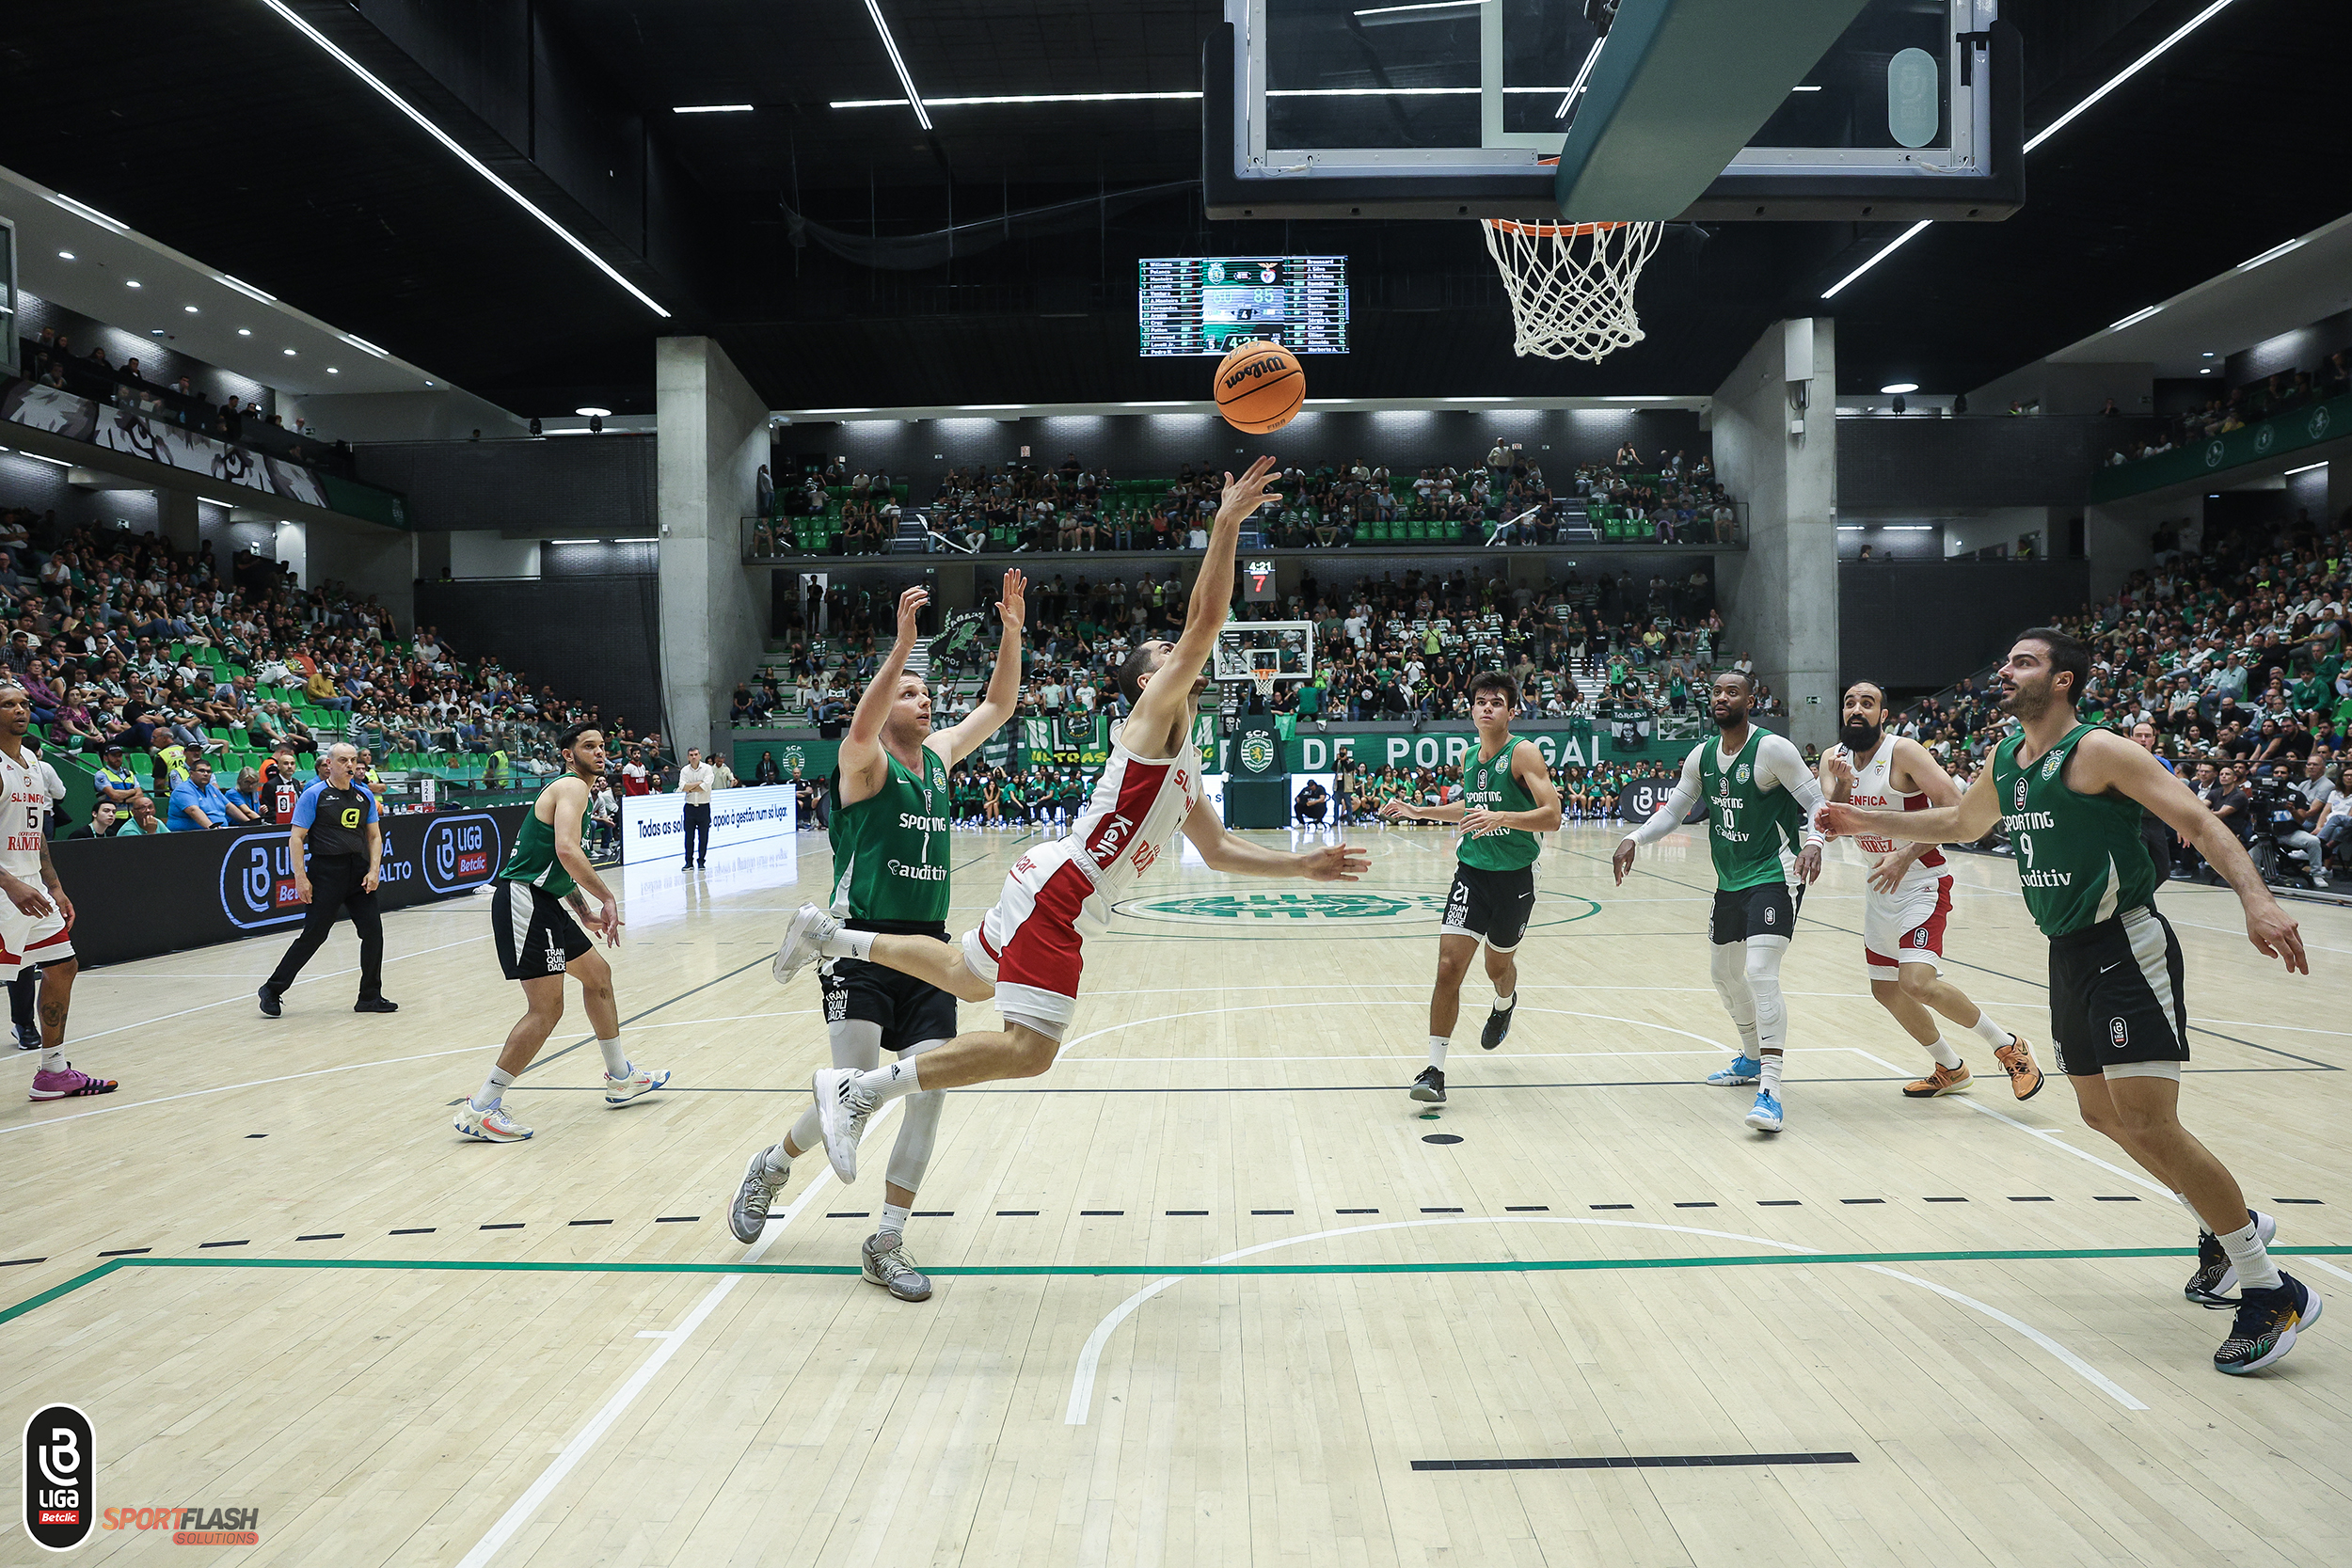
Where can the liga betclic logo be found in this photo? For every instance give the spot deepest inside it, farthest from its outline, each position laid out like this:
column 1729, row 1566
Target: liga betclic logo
column 60, row 1504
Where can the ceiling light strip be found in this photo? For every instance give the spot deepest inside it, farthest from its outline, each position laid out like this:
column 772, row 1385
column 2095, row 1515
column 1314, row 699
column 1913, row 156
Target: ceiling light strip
column 710, row 109
column 897, row 63
column 467, row 158
column 1422, row 5
column 93, row 215
column 2126, row 74
column 1892, row 245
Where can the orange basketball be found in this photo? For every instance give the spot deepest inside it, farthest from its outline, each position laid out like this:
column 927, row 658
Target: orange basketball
column 1260, row 387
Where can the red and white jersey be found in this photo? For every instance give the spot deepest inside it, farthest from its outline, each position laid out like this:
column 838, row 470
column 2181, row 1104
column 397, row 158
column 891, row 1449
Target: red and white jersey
column 1139, row 805
column 23, row 806
column 1874, row 791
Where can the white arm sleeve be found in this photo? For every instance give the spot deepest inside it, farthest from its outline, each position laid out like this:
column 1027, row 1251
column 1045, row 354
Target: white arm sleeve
column 1686, row 795
column 1778, row 761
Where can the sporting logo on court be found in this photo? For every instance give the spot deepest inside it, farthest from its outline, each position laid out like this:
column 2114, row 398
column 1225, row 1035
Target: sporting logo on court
column 1265, row 910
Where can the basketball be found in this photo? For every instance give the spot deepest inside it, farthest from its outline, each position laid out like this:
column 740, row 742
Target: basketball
column 1260, row 387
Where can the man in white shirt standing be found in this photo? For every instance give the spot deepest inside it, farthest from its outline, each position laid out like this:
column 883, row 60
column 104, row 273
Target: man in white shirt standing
column 695, row 782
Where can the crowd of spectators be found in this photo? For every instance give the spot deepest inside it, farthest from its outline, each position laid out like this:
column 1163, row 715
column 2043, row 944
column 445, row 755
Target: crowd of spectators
column 146, row 661
column 1391, row 647
column 1042, row 508
column 52, row 359
column 2226, row 660
column 2279, row 393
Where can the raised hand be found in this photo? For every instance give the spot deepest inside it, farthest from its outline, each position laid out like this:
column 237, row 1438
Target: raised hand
column 1245, row 494
column 911, row 604
column 1010, row 608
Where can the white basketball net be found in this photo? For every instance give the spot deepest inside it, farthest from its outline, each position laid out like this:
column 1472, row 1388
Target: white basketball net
column 1571, row 284
column 1266, row 668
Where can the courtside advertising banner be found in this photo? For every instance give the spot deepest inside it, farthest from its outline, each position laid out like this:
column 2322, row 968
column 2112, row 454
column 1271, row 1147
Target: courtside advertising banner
column 653, row 826
column 187, row 890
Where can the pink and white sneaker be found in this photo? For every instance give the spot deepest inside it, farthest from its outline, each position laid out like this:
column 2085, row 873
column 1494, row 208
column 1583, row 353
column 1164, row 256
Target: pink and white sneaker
column 69, row 1081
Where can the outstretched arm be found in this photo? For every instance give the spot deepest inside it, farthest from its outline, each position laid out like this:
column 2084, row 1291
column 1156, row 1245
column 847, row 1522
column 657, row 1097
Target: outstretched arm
column 1665, row 819
column 1004, row 683
column 1964, row 823
column 1223, row 851
column 1159, row 716
column 860, row 759
column 2106, row 761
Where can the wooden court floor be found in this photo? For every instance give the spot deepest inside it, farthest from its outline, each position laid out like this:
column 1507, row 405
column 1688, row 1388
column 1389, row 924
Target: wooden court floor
column 1214, row 1290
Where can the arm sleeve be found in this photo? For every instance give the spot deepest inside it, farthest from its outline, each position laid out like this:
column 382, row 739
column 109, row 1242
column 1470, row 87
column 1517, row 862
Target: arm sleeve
column 306, row 811
column 1784, row 765
column 1686, row 795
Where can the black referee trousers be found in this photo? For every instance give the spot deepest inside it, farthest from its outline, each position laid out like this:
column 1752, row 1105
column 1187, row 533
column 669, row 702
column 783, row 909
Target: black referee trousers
column 335, row 887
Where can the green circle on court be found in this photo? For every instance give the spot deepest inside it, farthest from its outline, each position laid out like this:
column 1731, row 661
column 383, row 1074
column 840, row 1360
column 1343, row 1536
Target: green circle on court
column 1368, row 911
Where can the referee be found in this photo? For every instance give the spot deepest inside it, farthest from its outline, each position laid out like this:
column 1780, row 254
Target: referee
column 336, row 820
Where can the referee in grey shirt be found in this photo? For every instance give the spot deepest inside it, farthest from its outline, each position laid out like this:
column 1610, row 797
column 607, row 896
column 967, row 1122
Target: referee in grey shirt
column 694, row 782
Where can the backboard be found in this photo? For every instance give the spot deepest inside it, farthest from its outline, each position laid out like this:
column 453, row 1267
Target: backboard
column 1423, row 109
column 1245, row 645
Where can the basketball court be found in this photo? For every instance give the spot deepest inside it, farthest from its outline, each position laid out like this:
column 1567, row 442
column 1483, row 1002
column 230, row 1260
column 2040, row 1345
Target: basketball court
column 1213, row 1289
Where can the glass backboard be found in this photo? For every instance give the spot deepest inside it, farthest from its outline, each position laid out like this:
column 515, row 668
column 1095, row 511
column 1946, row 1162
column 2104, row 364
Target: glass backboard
column 1406, row 109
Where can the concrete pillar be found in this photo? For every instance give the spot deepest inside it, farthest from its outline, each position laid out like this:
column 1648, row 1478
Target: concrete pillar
column 176, row 518
column 713, row 437
column 1780, row 596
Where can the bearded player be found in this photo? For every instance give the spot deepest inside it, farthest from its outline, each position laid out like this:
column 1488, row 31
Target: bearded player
column 2070, row 795
column 889, row 830
column 1908, row 898
column 1030, row 951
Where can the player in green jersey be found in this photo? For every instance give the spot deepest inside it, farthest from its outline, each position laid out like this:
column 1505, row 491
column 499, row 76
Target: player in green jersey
column 1508, row 799
column 2070, row 794
column 891, row 810
column 539, row 942
column 1760, row 796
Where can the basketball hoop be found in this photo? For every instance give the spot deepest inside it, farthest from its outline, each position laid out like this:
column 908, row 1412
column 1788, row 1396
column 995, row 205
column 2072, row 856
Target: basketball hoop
column 1571, row 284
column 1266, row 668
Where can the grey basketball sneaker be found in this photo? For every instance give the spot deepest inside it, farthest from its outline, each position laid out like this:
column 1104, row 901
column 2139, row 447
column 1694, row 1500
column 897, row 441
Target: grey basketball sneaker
column 747, row 1216
column 893, row 1270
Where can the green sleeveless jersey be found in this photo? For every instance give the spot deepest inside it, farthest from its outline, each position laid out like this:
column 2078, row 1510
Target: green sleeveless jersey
column 1489, row 783
column 2079, row 857
column 890, row 851
column 1747, row 824
column 534, row 860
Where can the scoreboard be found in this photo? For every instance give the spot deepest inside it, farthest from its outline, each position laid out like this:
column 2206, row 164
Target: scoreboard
column 1257, row 583
column 1206, row 304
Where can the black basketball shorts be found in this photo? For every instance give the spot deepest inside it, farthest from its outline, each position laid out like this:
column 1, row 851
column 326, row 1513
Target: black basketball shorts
column 1768, row 910
column 1494, row 905
column 536, row 934
column 908, row 1010
column 2116, row 1003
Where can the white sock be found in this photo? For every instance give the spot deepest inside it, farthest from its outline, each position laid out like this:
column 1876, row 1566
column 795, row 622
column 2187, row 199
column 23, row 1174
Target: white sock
column 1990, row 1032
column 51, row 1060
column 616, row 1059
column 493, row 1089
column 1943, row 1054
column 2255, row 1271
column 895, row 1219
column 1768, row 1077
column 1438, row 1044
column 1504, row 1003
column 775, row 1157
column 890, row 1082
column 848, row 945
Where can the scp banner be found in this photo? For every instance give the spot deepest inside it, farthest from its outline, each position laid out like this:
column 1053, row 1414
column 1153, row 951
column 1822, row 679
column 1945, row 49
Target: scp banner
column 134, row 898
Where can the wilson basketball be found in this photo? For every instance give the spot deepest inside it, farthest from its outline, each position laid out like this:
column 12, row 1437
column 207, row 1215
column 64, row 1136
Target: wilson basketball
column 1260, row 387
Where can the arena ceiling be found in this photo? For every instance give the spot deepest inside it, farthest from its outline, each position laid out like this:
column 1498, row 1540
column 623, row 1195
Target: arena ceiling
column 227, row 133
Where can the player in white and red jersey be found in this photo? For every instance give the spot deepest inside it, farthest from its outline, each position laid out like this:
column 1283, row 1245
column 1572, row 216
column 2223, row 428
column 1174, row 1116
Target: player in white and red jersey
column 1909, row 896
column 1030, row 951
column 36, row 916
